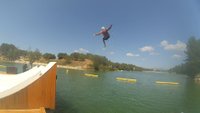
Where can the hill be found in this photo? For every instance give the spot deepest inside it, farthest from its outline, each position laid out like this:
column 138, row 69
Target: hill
column 10, row 52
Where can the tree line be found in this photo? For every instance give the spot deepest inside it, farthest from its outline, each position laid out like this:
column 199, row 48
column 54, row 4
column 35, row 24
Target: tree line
column 191, row 66
column 12, row 53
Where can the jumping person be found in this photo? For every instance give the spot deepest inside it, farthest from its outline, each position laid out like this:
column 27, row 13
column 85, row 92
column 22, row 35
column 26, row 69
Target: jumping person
column 104, row 32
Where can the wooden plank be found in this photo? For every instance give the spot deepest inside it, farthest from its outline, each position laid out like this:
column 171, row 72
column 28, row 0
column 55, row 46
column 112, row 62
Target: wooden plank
column 40, row 110
column 15, row 101
column 43, row 91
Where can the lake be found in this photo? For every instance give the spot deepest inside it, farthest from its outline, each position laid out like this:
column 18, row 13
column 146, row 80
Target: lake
column 77, row 93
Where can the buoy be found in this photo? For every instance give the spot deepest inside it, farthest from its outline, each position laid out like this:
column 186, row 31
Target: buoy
column 126, row 79
column 170, row 83
column 90, row 75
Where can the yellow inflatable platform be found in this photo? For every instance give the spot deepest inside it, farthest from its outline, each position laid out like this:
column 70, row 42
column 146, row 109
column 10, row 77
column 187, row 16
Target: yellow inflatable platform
column 90, row 75
column 126, row 79
column 2, row 66
column 170, row 83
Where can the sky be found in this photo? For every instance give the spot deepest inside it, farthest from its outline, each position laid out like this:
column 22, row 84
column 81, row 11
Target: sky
column 146, row 33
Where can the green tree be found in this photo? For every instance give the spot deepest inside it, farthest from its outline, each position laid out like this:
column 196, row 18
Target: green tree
column 34, row 56
column 78, row 56
column 65, row 58
column 192, row 62
column 49, row 56
column 10, row 51
column 100, row 62
column 23, row 53
column 62, row 55
column 193, row 56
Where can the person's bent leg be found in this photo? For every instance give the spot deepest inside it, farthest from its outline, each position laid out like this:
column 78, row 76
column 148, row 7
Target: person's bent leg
column 104, row 42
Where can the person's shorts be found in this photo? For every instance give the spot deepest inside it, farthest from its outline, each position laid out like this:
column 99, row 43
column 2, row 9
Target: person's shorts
column 106, row 38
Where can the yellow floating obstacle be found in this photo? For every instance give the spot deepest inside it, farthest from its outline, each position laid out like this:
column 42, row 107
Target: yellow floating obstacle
column 2, row 66
column 90, row 75
column 126, row 79
column 170, row 83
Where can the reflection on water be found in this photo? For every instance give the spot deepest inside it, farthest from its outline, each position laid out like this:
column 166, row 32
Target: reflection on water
column 80, row 94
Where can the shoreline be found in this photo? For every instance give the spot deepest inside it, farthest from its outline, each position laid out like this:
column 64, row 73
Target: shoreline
column 58, row 66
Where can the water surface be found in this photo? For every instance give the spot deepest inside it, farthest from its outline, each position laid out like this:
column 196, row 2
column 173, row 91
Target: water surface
column 76, row 93
column 80, row 94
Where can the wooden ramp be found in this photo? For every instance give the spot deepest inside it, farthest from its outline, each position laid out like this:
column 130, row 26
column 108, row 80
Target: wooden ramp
column 40, row 110
column 29, row 90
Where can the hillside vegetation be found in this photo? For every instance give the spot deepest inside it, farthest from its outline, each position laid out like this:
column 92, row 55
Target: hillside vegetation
column 10, row 52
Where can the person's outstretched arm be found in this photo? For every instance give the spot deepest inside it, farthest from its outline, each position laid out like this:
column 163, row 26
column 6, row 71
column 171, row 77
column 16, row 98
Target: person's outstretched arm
column 109, row 27
column 99, row 33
